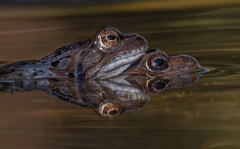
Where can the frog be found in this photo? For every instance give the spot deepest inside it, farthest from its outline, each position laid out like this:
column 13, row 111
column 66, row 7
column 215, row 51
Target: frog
column 108, row 53
column 157, row 63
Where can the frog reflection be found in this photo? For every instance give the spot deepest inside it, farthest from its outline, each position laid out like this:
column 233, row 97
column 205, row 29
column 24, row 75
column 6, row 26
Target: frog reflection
column 109, row 98
column 107, row 54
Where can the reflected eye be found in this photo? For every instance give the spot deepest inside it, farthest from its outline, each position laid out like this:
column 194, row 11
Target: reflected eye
column 110, row 110
column 156, row 85
column 156, row 63
column 109, row 39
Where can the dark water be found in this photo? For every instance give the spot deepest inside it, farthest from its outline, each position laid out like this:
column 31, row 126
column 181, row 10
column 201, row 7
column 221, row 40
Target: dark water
column 203, row 116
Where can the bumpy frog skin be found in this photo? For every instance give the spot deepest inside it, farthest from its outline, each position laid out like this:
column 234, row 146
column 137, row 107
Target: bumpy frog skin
column 110, row 97
column 105, row 55
column 157, row 63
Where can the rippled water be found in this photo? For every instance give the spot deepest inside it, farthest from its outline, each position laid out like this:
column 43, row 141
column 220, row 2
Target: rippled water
column 203, row 116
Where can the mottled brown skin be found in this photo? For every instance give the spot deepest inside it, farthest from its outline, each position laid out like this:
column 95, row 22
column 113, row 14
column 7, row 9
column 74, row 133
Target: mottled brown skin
column 109, row 98
column 173, row 64
column 88, row 58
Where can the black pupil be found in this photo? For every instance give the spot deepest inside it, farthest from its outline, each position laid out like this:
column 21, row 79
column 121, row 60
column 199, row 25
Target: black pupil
column 113, row 112
column 111, row 37
column 158, row 62
column 159, row 85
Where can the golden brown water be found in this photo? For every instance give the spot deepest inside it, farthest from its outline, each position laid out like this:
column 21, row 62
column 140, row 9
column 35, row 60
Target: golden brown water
column 203, row 116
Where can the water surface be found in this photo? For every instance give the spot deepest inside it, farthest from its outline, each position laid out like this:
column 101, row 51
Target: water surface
column 203, row 116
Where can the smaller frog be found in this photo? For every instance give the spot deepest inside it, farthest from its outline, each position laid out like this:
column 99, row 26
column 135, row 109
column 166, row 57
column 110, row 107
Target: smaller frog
column 157, row 63
column 107, row 54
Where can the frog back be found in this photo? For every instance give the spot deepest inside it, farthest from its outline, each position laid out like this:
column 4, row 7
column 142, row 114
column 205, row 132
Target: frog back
column 65, row 51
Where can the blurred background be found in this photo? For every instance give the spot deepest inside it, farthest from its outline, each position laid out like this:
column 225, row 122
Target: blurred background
column 203, row 116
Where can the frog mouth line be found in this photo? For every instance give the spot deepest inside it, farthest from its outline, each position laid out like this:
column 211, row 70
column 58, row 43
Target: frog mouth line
column 116, row 63
column 120, row 63
column 124, row 59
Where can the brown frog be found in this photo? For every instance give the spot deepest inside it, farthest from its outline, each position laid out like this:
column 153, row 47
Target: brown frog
column 107, row 54
column 157, row 63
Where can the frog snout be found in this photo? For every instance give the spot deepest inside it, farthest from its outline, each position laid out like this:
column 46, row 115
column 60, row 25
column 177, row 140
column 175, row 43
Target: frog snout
column 184, row 63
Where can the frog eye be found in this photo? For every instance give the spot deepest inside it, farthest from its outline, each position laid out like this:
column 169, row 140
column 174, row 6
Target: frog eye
column 110, row 110
column 156, row 63
column 109, row 39
column 155, row 85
